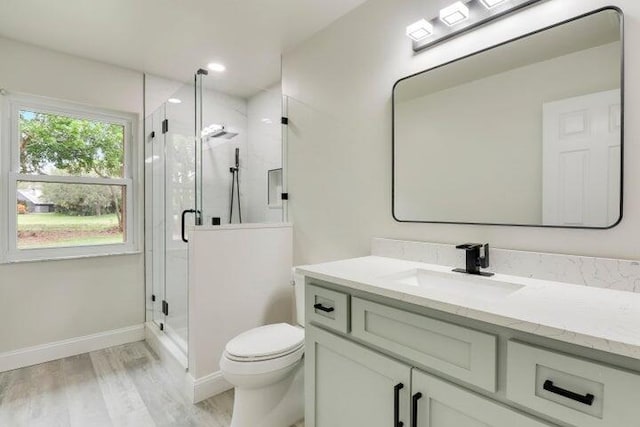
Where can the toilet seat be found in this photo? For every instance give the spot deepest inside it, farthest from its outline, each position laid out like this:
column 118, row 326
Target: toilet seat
column 263, row 350
column 268, row 366
column 265, row 343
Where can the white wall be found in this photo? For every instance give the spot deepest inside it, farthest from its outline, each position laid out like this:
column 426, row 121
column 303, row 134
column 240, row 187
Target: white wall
column 42, row 302
column 340, row 84
column 239, row 278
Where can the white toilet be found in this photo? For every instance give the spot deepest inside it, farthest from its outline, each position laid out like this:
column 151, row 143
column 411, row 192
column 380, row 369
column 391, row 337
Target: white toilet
column 265, row 365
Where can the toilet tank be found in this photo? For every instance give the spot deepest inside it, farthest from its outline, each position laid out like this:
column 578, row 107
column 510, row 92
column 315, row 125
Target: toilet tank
column 298, row 290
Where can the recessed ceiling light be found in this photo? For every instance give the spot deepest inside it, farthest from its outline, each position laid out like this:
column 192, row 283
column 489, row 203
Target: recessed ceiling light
column 174, row 101
column 454, row 14
column 420, row 30
column 490, row 4
column 217, row 67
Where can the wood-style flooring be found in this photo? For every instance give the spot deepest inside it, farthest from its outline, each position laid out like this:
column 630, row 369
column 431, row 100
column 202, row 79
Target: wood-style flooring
column 124, row 386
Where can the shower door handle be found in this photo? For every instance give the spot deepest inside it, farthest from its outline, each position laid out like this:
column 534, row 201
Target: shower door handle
column 184, row 214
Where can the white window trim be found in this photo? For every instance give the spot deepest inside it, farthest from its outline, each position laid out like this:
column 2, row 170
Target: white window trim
column 10, row 167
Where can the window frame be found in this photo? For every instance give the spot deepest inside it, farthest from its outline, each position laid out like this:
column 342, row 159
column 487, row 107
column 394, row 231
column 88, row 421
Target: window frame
column 10, row 171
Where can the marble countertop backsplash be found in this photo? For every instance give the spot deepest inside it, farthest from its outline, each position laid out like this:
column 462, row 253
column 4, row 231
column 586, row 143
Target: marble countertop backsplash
column 620, row 275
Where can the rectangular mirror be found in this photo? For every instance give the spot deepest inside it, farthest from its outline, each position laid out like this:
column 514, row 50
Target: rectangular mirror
column 526, row 133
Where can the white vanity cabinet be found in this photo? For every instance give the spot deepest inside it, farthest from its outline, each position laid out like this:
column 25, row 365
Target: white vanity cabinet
column 375, row 361
column 348, row 385
column 437, row 403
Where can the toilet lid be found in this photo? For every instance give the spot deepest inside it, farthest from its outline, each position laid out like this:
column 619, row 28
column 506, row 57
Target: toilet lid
column 266, row 341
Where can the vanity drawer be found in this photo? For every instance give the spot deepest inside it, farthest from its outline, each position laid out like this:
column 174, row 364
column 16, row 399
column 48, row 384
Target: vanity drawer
column 462, row 353
column 576, row 391
column 327, row 308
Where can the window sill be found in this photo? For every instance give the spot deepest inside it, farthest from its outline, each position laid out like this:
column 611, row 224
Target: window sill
column 49, row 258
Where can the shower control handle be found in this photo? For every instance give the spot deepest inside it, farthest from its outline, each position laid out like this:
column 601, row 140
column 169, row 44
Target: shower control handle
column 184, row 214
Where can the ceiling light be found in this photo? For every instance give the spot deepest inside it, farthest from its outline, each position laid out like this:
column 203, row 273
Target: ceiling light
column 218, row 68
column 490, row 4
column 266, row 121
column 454, row 14
column 420, row 30
column 174, row 101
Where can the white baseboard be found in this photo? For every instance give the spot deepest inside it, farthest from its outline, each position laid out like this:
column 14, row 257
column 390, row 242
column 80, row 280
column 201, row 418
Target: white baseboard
column 208, row 386
column 70, row 347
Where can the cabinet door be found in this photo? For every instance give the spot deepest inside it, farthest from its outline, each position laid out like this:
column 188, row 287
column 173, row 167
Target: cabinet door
column 436, row 403
column 348, row 385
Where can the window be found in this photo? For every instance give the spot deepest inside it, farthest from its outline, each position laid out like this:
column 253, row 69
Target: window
column 69, row 180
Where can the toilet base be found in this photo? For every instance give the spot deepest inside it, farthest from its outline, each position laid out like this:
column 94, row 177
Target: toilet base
column 277, row 405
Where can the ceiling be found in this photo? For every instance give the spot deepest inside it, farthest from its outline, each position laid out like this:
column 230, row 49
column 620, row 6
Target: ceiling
column 173, row 38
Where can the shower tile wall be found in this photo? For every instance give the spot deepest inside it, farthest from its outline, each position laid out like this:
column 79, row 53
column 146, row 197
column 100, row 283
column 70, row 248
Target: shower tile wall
column 218, row 155
column 265, row 152
column 257, row 120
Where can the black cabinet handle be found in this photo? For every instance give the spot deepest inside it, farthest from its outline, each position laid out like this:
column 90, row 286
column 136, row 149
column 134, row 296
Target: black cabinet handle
column 323, row 308
column 396, row 405
column 414, row 409
column 585, row 399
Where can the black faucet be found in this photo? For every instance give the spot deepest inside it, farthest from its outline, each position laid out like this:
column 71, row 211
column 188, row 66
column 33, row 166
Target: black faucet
column 474, row 260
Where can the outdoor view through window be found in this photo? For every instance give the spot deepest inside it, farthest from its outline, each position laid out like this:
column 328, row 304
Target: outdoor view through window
column 64, row 197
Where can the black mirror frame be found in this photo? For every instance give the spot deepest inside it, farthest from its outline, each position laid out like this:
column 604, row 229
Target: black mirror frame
column 622, row 125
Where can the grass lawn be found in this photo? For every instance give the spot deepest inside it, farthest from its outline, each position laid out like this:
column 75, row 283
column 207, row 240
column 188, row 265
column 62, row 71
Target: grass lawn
column 38, row 230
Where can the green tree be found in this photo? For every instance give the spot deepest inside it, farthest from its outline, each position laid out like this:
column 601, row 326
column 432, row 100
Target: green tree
column 75, row 147
column 81, row 200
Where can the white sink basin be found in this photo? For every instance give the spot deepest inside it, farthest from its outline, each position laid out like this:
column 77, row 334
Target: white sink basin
column 455, row 284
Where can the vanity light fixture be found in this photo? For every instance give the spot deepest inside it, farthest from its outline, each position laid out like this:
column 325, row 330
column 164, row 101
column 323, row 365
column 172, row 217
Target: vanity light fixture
column 490, row 4
column 454, row 14
column 419, row 30
column 460, row 17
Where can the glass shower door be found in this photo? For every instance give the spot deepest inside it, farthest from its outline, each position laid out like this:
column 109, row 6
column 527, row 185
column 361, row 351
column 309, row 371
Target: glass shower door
column 154, row 205
column 171, row 177
column 180, row 178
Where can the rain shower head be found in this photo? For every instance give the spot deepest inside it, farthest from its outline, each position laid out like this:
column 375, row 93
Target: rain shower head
column 223, row 133
column 218, row 131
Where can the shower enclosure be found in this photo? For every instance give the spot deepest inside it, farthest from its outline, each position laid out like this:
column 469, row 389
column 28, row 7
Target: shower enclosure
column 209, row 161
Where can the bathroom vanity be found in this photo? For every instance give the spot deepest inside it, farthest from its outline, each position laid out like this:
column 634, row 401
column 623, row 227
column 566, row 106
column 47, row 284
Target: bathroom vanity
column 391, row 342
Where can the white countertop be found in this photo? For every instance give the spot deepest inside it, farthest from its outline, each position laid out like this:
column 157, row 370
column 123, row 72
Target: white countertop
column 602, row 319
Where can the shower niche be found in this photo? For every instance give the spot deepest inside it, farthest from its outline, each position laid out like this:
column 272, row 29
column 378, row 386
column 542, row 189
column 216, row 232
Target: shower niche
column 274, row 188
column 209, row 158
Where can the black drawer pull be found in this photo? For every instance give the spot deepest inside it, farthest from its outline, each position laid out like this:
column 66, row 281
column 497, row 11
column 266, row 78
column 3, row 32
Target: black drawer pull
column 396, row 405
column 414, row 409
column 323, row 308
column 587, row 399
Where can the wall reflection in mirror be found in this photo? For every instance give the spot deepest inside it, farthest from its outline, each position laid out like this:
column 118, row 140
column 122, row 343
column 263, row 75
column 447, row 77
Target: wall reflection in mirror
column 526, row 133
